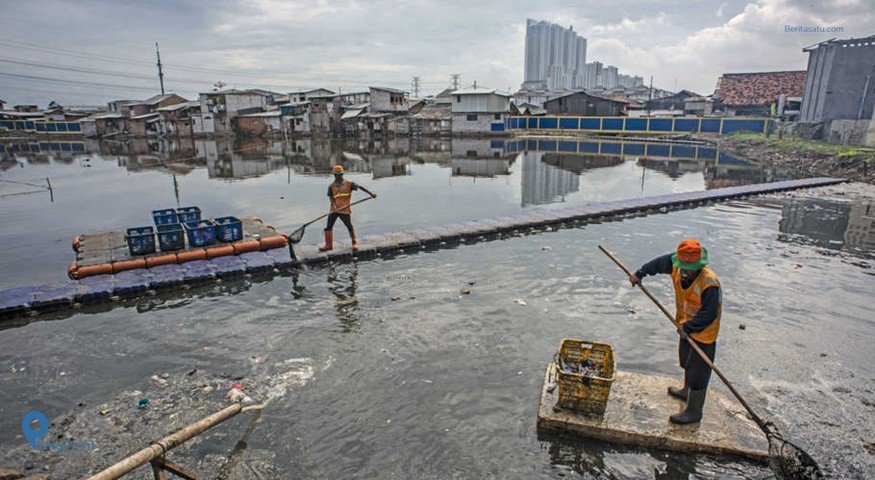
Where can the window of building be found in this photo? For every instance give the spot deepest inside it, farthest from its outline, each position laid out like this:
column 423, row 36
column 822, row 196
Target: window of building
column 498, row 116
column 458, row 99
column 472, row 118
column 471, row 153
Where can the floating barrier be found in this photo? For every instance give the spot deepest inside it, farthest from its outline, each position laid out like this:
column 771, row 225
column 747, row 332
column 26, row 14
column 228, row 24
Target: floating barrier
column 102, row 253
column 100, row 281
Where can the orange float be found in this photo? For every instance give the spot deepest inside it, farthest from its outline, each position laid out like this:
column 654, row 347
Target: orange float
column 220, row 251
column 189, row 255
column 167, row 259
column 269, row 243
column 76, row 243
column 128, row 265
column 244, row 247
column 91, row 270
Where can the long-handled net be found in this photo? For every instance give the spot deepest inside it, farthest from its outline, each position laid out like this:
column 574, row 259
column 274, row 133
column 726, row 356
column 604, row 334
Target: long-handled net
column 298, row 235
column 787, row 460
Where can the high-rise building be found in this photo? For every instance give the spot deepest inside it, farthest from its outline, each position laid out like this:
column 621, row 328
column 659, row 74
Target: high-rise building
column 555, row 57
column 592, row 75
column 611, row 77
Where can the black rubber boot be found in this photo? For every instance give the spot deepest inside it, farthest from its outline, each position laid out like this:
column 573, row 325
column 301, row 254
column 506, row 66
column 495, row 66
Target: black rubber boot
column 680, row 393
column 693, row 412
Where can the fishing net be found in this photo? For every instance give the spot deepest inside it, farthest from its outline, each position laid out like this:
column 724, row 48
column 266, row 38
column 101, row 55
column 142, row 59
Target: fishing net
column 297, row 235
column 787, row 460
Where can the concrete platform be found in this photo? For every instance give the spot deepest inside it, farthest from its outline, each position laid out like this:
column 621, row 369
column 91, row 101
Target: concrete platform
column 637, row 414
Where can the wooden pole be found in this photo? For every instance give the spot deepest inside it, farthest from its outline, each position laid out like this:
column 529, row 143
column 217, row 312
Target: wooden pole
column 159, row 448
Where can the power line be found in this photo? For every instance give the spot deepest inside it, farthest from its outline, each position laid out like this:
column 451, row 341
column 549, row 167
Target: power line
column 75, row 82
column 415, row 83
column 77, row 69
column 454, row 80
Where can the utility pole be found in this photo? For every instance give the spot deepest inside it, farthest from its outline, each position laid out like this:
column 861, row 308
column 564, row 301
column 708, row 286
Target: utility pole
column 416, row 84
column 160, row 72
column 649, row 95
column 454, row 78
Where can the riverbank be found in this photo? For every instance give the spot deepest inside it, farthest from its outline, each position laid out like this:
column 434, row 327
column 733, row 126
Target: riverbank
column 804, row 157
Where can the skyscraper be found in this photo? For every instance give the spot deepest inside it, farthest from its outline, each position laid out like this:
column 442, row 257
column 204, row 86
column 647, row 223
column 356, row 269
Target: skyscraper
column 555, row 57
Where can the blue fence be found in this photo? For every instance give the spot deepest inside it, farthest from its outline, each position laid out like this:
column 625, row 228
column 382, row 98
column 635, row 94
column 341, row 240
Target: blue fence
column 720, row 126
column 40, row 126
column 38, row 147
column 638, row 149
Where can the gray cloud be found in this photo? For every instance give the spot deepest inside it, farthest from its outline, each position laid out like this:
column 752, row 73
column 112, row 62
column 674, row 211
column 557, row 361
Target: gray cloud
column 352, row 44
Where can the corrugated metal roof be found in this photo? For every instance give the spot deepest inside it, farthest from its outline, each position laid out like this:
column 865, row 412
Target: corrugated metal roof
column 479, row 91
column 179, row 106
column 145, row 116
column 351, row 114
column 272, row 113
column 387, row 89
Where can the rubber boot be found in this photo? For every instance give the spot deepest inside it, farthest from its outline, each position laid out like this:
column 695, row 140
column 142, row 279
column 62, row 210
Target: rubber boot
column 680, row 393
column 329, row 241
column 355, row 245
column 693, row 412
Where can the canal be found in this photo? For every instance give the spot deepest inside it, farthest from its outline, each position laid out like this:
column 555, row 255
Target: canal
column 382, row 369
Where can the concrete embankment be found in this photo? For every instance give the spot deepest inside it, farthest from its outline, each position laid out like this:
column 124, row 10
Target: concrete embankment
column 132, row 283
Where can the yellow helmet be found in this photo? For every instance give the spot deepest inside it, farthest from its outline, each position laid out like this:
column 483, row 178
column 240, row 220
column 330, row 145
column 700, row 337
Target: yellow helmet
column 337, row 169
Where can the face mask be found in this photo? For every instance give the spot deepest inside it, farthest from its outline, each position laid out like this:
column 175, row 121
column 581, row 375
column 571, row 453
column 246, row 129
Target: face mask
column 687, row 273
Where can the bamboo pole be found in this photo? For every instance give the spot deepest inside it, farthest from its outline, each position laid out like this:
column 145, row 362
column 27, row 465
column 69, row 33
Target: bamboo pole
column 166, row 444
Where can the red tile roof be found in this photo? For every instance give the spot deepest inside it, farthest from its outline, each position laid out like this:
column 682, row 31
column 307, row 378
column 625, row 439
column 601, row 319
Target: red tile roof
column 759, row 88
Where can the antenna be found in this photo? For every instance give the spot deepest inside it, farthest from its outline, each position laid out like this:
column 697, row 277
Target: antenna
column 454, row 80
column 415, row 84
column 160, row 72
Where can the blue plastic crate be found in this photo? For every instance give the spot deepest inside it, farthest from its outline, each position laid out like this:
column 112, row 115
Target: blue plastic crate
column 228, row 229
column 141, row 240
column 200, row 234
column 171, row 237
column 188, row 214
column 165, row 217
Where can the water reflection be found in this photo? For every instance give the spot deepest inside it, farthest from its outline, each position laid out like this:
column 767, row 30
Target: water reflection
column 829, row 224
column 342, row 284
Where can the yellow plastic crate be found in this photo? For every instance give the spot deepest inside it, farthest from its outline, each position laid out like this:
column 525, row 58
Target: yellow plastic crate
column 588, row 390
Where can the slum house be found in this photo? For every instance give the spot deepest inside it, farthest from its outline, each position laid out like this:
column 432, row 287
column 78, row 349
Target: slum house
column 295, row 118
column 479, row 110
column 586, row 104
column 105, row 124
column 527, row 109
column 432, row 120
column 752, row 94
column 151, row 105
column 2, row 104
column 671, row 103
column 218, row 109
column 304, row 95
column 839, row 94
column 175, row 120
column 145, row 125
column 401, row 124
column 261, row 124
column 384, row 99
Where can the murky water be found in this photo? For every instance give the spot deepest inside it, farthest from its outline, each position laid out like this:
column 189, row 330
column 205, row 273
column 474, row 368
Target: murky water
column 388, row 372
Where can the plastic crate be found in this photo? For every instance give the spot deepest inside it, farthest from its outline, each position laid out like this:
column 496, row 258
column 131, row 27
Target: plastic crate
column 228, row 229
column 200, row 234
column 585, row 372
column 171, row 237
column 141, row 240
column 165, row 217
column 188, row 214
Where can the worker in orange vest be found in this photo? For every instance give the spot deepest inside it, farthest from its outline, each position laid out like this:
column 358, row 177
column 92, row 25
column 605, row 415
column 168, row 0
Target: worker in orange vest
column 340, row 196
column 699, row 304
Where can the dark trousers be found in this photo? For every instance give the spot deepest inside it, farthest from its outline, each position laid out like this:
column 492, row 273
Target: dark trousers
column 696, row 371
column 344, row 217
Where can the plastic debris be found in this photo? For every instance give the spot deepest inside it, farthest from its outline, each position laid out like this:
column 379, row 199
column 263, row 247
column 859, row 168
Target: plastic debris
column 742, row 326
column 520, row 301
column 143, row 402
column 464, row 290
column 158, row 380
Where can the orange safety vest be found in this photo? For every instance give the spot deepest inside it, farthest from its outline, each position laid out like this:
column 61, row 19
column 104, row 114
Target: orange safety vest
column 341, row 196
column 688, row 302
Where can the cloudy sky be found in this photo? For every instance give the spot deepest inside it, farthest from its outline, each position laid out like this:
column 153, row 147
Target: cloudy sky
column 88, row 52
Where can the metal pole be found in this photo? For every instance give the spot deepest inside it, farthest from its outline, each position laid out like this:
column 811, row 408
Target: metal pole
column 160, row 72
column 863, row 100
column 161, row 447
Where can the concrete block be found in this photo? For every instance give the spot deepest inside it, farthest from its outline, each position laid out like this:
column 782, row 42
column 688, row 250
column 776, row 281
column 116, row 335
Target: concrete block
column 130, row 282
column 56, row 294
column 230, row 266
column 260, row 261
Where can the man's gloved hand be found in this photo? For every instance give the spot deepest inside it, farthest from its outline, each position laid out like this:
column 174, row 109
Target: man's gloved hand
column 634, row 280
column 681, row 330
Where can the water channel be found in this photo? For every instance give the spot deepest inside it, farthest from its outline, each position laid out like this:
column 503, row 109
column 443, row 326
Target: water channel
column 392, row 373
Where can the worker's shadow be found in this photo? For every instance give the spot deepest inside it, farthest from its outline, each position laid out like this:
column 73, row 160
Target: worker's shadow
column 342, row 282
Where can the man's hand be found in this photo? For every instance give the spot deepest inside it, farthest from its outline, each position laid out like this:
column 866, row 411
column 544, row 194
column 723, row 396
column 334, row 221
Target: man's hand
column 634, row 280
column 681, row 331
